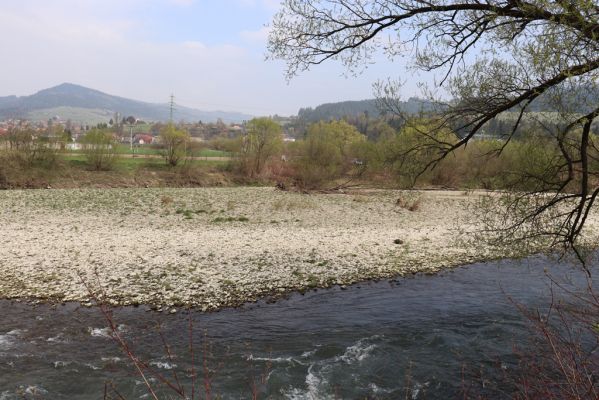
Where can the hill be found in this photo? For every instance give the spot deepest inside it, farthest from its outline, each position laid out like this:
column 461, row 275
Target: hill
column 84, row 105
column 580, row 99
column 356, row 108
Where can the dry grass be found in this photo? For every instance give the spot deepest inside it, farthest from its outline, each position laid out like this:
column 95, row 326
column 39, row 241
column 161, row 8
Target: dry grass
column 409, row 201
column 166, row 200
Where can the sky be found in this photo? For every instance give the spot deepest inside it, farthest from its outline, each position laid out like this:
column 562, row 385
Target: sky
column 209, row 53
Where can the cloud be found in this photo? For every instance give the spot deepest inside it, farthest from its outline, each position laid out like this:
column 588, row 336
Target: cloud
column 117, row 47
column 51, row 48
column 194, row 45
column 258, row 36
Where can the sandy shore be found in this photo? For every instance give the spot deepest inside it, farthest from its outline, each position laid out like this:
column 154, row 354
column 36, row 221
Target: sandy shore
column 216, row 247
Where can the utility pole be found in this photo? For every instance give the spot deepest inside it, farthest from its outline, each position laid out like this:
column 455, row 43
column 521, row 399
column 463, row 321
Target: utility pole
column 131, row 138
column 172, row 109
column 117, row 124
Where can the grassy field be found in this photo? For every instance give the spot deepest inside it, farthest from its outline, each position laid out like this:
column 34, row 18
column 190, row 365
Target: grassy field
column 154, row 151
column 133, row 163
column 211, row 153
column 77, row 115
column 72, row 170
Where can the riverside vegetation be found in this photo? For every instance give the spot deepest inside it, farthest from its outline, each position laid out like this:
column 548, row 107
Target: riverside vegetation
column 331, row 155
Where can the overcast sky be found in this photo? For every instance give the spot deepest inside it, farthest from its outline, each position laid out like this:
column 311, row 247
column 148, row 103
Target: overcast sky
column 208, row 53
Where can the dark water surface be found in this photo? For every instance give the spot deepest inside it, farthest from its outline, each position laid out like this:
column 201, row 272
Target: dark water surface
column 409, row 338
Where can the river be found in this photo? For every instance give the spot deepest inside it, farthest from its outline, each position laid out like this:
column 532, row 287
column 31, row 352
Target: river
column 421, row 337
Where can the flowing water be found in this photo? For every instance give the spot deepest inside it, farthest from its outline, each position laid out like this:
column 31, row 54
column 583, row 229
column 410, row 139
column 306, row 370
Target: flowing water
column 419, row 338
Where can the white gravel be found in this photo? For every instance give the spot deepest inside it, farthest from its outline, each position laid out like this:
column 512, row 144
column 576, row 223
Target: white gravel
column 215, row 247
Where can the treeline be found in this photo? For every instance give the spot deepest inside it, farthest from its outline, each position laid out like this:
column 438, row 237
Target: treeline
column 541, row 123
column 336, row 154
column 99, row 145
column 330, row 155
column 542, row 117
column 353, row 109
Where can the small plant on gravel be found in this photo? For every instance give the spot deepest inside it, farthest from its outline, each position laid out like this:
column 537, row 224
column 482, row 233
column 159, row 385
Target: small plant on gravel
column 230, row 219
column 166, row 200
column 187, row 214
column 409, row 201
column 291, row 203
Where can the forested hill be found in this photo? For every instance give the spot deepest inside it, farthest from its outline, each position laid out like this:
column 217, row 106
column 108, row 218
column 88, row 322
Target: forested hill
column 356, row 108
column 582, row 100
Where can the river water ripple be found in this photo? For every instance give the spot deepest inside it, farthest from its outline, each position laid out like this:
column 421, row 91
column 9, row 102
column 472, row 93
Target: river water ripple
column 418, row 338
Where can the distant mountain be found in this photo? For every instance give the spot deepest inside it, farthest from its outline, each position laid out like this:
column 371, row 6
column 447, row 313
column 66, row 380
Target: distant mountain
column 84, row 105
column 343, row 109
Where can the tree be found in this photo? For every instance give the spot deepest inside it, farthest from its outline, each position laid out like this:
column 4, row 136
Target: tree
column 491, row 57
column 408, row 152
column 263, row 140
column 174, row 142
column 99, row 147
column 327, row 153
column 31, row 149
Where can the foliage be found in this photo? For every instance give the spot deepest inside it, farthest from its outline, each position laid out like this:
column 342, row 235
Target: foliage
column 99, row 147
column 409, row 152
column 329, row 151
column 225, row 145
column 174, row 142
column 264, row 139
column 353, row 109
column 529, row 54
column 29, row 148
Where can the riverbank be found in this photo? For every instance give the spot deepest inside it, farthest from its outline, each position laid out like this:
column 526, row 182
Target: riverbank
column 216, row 247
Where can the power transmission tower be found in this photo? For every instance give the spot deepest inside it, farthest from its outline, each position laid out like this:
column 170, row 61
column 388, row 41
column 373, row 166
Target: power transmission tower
column 172, row 107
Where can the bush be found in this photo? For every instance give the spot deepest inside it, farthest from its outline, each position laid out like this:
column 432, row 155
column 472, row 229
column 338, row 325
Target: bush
column 174, row 142
column 330, row 151
column 99, row 148
column 264, row 139
column 408, row 153
column 29, row 149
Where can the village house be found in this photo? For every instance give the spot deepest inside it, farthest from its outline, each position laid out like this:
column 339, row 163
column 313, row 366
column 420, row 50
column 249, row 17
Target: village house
column 143, row 138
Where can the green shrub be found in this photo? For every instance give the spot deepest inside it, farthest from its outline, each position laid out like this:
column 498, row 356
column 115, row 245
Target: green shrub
column 100, row 149
column 30, row 148
column 263, row 141
column 175, row 143
column 329, row 152
column 409, row 153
